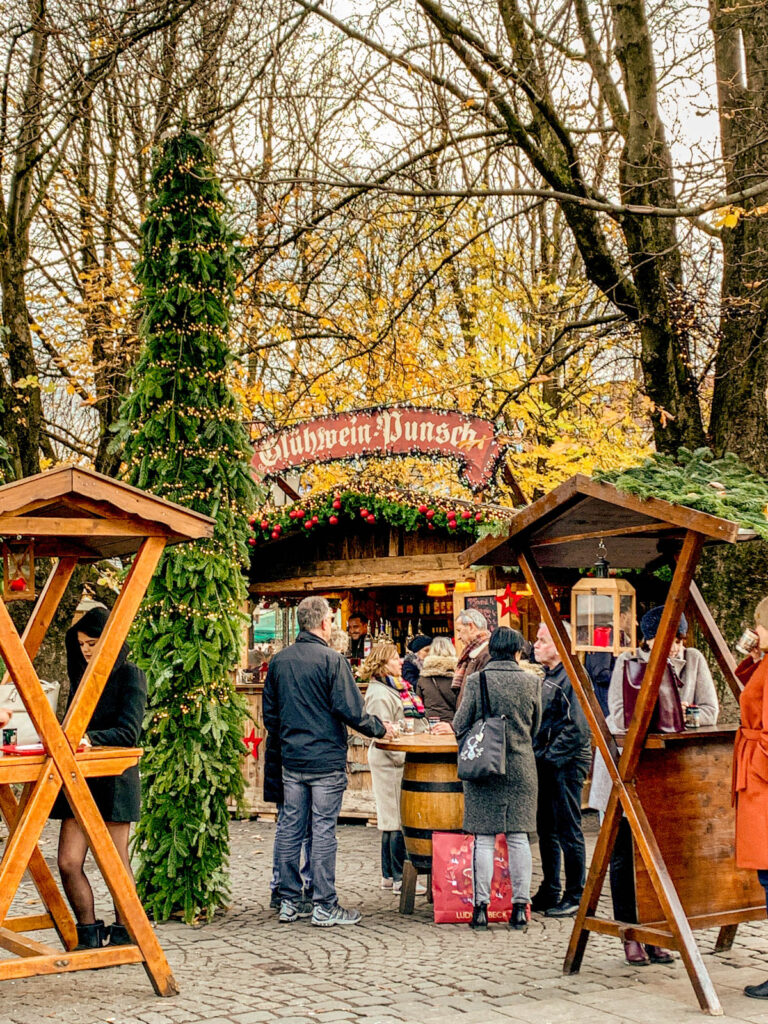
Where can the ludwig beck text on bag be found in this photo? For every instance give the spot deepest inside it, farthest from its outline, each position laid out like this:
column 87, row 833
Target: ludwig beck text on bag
column 483, row 749
column 668, row 714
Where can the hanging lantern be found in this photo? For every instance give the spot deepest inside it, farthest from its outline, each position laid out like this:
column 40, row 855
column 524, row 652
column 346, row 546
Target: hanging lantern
column 602, row 612
column 18, row 571
column 436, row 590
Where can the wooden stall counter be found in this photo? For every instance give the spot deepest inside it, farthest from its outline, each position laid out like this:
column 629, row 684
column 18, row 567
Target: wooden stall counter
column 358, row 802
column 431, row 800
column 684, row 783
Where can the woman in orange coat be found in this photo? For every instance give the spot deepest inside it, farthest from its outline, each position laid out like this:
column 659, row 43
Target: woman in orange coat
column 750, row 766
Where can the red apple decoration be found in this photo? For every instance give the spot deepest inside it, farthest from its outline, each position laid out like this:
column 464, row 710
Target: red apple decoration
column 364, row 513
column 333, row 520
column 251, row 541
column 479, row 517
column 264, row 524
column 451, row 514
column 314, row 520
column 278, row 528
column 422, row 509
column 370, row 519
column 308, row 525
column 452, row 524
column 299, row 513
column 275, row 535
column 466, row 514
column 430, row 513
column 336, row 503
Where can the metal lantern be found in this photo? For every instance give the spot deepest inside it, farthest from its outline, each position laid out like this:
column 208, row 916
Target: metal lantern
column 602, row 612
column 18, row 571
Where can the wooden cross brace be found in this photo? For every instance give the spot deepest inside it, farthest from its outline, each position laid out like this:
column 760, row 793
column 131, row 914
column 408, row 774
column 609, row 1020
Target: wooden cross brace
column 623, row 769
column 62, row 767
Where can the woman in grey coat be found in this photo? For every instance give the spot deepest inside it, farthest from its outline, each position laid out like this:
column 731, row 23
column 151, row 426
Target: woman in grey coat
column 505, row 804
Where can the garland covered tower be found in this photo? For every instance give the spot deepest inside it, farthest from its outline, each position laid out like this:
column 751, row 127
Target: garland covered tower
column 184, row 439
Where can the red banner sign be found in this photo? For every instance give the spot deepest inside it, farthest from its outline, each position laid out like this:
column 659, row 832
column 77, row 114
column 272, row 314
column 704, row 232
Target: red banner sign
column 391, row 431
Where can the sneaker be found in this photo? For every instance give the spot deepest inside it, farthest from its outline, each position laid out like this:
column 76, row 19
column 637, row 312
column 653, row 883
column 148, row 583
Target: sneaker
column 290, row 911
column 565, row 908
column 327, row 917
column 386, row 883
column 397, row 888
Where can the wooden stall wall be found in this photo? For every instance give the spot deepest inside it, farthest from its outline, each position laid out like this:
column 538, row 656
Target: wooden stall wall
column 358, row 802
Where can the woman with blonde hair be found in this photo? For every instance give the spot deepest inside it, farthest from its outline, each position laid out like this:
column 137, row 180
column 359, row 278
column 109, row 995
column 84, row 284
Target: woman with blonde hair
column 391, row 698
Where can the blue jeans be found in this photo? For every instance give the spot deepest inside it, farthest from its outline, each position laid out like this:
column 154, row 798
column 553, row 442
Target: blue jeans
column 306, row 855
column 316, row 799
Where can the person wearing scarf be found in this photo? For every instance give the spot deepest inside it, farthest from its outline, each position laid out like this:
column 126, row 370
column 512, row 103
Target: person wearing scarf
column 391, row 698
column 472, row 631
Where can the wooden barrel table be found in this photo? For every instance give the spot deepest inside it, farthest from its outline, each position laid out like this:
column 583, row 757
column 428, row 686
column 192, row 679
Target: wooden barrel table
column 431, row 800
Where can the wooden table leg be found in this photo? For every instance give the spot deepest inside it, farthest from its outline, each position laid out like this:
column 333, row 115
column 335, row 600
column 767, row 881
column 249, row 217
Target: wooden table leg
column 41, row 875
column 408, row 892
column 725, row 938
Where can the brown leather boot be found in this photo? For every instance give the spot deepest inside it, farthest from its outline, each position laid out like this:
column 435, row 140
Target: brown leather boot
column 634, row 954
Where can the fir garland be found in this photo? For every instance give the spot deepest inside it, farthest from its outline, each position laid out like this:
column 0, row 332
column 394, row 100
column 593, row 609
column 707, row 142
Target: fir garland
column 723, row 487
column 376, row 505
column 184, row 440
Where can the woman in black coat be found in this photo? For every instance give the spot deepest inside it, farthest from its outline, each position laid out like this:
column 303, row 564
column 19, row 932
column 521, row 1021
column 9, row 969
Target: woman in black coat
column 116, row 722
column 503, row 803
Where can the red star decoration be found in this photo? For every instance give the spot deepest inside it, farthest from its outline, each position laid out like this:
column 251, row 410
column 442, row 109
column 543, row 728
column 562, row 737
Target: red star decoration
column 509, row 601
column 251, row 742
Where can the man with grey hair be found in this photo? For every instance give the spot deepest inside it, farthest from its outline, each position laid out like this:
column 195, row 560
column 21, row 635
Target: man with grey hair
column 472, row 632
column 563, row 754
column 310, row 697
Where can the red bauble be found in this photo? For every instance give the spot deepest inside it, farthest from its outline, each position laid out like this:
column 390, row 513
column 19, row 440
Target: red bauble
column 251, row 541
column 292, row 514
column 452, row 524
column 451, row 514
column 370, row 519
column 431, row 513
column 466, row 514
column 337, row 503
column 364, row 513
column 308, row 525
column 333, row 520
column 479, row 517
column 430, row 526
column 278, row 527
column 299, row 513
column 252, row 520
column 422, row 509
column 264, row 524
column 275, row 535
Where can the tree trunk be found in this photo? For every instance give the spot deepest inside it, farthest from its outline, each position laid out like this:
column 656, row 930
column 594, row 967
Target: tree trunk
column 739, row 420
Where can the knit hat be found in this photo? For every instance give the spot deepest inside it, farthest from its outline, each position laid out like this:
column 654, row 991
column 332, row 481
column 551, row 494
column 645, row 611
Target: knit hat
column 650, row 622
column 761, row 614
column 419, row 642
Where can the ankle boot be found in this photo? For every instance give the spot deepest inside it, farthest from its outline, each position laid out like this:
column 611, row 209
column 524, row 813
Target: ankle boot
column 117, row 935
column 634, row 954
column 521, row 915
column 757, row 991
column 90, row 936
column 479, row 917
column 657, row 955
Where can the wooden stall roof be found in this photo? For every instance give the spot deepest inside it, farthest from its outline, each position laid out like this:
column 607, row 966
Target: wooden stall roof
column 564, row 527
column 74, row 511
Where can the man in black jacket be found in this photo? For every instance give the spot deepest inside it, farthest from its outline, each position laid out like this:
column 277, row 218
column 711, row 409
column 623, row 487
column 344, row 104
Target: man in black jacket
column 310, row 697
column 563, row 753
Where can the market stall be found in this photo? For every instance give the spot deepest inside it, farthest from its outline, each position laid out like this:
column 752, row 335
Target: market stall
column 389, row 554
column 71, row 515
column 673, row 789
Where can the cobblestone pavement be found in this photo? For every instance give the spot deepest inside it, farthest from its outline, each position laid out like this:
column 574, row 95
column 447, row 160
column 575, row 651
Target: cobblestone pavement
column 246, row 969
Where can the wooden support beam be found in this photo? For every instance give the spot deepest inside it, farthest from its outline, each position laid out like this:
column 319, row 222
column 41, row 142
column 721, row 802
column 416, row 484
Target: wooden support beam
column 64, row 963
column 21, row 945
column 711, row 631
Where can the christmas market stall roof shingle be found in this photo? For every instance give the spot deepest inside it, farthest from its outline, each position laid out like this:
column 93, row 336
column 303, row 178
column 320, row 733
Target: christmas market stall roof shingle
column 562, row 529
column 71, row 511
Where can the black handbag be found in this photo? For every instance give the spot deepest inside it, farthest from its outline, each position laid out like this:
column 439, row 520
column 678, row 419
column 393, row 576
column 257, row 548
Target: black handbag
column 483, row 748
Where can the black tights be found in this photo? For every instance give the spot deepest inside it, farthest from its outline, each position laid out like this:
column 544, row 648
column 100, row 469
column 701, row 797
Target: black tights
column 73, row 849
